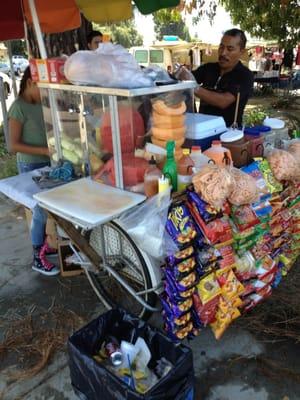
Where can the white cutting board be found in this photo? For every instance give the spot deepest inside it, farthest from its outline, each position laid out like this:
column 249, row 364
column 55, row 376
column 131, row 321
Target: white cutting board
column 88, row 203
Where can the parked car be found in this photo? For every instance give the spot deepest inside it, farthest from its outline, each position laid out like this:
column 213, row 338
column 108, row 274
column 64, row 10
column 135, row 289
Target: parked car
column 20, row 63
column 7, row 84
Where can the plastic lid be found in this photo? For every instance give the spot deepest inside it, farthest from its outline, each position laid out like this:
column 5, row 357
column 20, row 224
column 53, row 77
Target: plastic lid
column 274, row 123
column 232, row 135
column 253, row 131
column 196, row 148
column 263, row 128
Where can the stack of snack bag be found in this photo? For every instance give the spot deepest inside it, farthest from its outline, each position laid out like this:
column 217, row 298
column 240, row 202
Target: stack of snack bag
column 242, row 228
column 181, row 275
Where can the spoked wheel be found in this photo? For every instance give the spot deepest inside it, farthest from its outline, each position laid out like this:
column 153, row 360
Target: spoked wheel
column 124, row 257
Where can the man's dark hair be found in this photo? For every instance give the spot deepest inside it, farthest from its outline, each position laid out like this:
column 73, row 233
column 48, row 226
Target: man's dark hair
column 93, row 34
column 237, row 33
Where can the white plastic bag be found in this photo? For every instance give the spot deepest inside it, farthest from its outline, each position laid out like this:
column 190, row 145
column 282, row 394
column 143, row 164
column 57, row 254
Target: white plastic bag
column 109, row 66
column 146, row 225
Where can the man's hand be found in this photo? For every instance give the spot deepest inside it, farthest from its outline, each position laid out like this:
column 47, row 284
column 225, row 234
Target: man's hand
column 220, row 100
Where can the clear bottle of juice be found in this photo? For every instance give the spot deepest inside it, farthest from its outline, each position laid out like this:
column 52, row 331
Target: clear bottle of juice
column 151, row 178
column 184, row 170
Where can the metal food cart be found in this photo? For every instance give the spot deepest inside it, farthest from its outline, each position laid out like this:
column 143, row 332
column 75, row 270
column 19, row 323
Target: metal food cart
column 92, row 118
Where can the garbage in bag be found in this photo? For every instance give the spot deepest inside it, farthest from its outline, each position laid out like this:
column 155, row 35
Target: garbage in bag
column 171, row 366
column 110, row 65
column 146, row 225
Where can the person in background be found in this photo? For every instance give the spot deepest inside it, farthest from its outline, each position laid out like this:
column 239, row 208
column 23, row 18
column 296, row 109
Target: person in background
column 223, row 80
column 220, row 82
column 94, row 39
column 28, row 140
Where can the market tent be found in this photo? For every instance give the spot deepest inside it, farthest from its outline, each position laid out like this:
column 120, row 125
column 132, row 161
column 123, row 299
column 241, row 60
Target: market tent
column 62, row 15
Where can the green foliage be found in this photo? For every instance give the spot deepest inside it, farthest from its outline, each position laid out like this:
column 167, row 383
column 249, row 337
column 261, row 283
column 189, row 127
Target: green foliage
column 255, row 117
column 275, row 20
column 124, row 33
column 8, row 166
column 170, row 22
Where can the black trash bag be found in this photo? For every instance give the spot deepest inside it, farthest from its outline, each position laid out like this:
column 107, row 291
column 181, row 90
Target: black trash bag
column 92, row 381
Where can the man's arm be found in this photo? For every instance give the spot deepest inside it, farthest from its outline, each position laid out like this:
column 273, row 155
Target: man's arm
column 220, row 100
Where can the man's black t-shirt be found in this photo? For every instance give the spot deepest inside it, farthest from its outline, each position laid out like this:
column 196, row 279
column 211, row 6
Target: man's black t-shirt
column 240, row 79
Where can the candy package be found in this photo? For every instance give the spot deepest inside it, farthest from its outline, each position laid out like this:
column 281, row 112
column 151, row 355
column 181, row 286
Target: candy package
column 180, row 225
column 183, row 284
column 182, row 269
column 207, row 255
column 261, row 185
column 179, row 256
column 205, row 210
column 178, row 334
column 178, row 308
column 174, row 294
column 206, row 312
column 230, row 286
column 273, row 185
column 244, row 217
column 208, row 288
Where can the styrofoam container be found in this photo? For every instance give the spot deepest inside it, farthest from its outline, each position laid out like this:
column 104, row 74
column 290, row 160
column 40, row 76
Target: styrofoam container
column 202, row 126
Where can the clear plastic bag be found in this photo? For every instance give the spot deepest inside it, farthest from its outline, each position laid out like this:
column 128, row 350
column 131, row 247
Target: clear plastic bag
column 109, row 66
column 146, row 225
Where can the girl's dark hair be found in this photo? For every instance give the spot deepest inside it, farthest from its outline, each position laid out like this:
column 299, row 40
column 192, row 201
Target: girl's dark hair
column 25, row 77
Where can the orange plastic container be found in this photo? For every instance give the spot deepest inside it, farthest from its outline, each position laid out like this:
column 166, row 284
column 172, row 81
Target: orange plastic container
column 220, row 155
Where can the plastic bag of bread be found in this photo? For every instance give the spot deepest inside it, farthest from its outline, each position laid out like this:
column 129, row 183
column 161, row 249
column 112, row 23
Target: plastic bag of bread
column 214, row 183
column 283, row 165
column 294, row 148
column 244, row 188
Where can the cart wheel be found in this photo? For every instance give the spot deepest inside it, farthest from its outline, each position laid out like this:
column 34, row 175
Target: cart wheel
column 123, row 255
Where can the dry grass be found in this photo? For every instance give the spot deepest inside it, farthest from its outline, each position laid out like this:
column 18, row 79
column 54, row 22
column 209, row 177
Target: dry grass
column 33, row 340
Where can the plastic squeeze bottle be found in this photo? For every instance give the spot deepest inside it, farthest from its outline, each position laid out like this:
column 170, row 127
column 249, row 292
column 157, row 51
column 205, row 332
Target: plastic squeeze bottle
column 151, row 178
column 185, row 170
column 170, row 167
column 200, row 159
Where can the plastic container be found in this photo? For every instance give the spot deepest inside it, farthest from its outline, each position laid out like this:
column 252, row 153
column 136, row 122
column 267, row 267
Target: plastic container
column 151, row 178
column 184, row 170
column 279, row 130
column 218, row 154
column 170, row 167
column 239, row 147
column 200, row 159
column 256, row 139
column 163, row 184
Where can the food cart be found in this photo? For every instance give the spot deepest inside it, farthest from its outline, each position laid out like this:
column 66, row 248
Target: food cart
column 99, row 124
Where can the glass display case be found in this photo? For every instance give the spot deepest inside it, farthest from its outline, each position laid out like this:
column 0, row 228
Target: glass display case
column 104, row 132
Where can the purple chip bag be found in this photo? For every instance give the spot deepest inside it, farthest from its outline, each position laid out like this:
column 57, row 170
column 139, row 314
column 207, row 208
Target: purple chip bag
column 180, row 225
column 176, row 323
column 173, row 293
column 178, row 334
column 176, row 258
column 182, row 269
column 207, row 255
column 207, row 212
column 178, row 308
column 183, row 284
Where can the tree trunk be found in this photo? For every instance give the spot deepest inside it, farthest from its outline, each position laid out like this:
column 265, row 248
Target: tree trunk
column 61, row 43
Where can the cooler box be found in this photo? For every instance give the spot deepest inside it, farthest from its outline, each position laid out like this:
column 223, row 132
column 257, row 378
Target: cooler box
column 202, row 129
column 92, row 381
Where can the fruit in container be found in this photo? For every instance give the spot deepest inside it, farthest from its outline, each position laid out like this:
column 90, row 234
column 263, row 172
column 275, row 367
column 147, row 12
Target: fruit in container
column 131, row 126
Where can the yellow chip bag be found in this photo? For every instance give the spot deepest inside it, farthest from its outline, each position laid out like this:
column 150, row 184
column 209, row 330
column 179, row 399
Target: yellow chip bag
column 208, row 288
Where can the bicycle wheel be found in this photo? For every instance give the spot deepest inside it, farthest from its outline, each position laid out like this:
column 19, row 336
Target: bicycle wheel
column 122, row 254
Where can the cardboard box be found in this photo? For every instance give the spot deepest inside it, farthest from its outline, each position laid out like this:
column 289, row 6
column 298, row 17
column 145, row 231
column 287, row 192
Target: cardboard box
column 65, row 251
column 34, row 70
column 56, row 70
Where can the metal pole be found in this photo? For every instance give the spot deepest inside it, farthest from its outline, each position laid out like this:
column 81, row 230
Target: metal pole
column 37, row 28
column 115, row 130
column 4, row 112
column 12, row 70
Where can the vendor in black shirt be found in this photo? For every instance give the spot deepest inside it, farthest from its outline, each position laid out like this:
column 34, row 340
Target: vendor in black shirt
column 222, row 81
